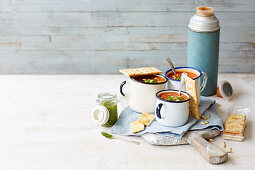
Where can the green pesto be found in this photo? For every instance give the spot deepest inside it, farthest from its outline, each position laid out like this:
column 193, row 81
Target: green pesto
column 107, row 135
column 113, row 113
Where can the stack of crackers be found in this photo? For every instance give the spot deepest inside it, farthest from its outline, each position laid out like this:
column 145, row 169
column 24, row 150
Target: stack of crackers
column 144, row 120
column 133, row 72
column 234, row 127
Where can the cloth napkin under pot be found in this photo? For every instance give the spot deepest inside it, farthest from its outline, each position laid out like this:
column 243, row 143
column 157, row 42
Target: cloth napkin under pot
column 207, row 107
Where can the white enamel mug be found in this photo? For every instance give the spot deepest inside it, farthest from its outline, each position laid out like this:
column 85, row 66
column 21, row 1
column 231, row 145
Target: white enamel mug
column 172, row 113
column 175, row 84
column 141, row 97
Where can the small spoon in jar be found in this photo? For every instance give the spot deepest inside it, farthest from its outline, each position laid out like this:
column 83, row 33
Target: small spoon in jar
column 170, row 64
column 183, row 76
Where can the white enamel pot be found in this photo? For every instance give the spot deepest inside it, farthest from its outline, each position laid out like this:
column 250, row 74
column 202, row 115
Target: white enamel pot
column 141, row 97
column 175, row 84
column 172, row 113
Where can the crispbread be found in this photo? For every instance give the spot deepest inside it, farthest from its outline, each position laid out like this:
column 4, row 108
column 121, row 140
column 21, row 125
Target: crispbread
column 233, row 137
column 146, row 118
column 136, row 126
column 140, row 71
column 234, row 127
column 193, row 103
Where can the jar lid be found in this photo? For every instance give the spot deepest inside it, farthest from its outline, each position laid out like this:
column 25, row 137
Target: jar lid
column 225, row 90
column 100, row 115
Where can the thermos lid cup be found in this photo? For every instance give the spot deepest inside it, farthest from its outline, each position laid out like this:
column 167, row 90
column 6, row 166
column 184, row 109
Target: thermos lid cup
column 100, row 115
column 204, row 11
column 225, row 90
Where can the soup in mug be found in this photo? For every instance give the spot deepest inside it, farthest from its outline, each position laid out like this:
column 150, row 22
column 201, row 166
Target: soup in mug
column 173, row 96
column 178, row 75
column 150, row 79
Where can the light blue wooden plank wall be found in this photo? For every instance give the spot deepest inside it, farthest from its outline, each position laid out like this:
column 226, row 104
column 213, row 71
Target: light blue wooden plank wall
column 102, row 36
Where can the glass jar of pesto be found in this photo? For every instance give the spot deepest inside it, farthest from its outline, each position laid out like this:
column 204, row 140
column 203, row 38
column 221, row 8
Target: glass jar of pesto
column 105, row 114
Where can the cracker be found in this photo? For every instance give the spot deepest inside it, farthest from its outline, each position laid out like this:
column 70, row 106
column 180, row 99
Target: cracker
column 146, row 118
column 193, row 103
column 140, row 71
column 234, row 127
column 233, row 137
column 136, row 126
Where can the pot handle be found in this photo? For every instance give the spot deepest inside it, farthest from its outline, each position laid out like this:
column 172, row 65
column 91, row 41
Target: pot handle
column 158, row 110
column 202, row 87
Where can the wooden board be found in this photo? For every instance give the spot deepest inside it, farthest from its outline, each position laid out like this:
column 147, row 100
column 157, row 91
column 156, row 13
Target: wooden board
column 198, row 139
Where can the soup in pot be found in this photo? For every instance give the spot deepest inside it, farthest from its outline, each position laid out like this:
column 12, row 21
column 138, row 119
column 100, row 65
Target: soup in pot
column 178, row 75
column 150, row 79
column 173, row 96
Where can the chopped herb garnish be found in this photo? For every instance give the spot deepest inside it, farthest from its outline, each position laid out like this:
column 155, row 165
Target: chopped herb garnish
column 179, row 97
column 107, row 135
column 170, row 98
column 155, row 80
column 176, row 77
column 174, row 98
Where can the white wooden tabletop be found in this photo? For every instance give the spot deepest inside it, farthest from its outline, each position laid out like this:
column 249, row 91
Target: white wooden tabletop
column 45, row 124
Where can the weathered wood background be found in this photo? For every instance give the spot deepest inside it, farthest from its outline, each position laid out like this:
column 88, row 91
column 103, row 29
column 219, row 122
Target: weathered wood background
column 101, row 36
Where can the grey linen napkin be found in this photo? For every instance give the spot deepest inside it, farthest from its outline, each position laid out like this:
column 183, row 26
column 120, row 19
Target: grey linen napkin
column 206, row 107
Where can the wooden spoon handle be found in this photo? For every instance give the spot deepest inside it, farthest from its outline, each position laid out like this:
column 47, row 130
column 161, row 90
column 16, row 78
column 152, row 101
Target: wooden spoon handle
column 211, row 153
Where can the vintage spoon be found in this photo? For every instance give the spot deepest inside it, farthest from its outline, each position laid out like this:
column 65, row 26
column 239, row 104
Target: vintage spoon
column 109, row 136
column 170, row 64
column 183, row 76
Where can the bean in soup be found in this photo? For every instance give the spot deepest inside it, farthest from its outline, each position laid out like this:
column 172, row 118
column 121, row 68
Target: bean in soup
column 173, row 96
column 150, row 79
column 178, row 75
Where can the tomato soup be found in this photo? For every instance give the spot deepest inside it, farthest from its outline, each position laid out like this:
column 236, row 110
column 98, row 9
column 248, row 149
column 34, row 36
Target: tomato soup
column 173, row 96
column 178, row 75
column 150, row 79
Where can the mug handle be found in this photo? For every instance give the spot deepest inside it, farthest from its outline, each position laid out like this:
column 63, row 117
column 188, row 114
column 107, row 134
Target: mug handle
column 158, row 110
column 123, row 102
column 121, row 88
column 202, row 87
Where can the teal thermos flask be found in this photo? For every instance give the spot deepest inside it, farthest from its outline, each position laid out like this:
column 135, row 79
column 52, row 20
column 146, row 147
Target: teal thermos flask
column 203, row 46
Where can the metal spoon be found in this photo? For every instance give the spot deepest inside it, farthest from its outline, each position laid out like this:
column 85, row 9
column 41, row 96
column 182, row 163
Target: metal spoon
column 126, row 140
column 109, row 136
column 183, row 76
column 170, row 64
